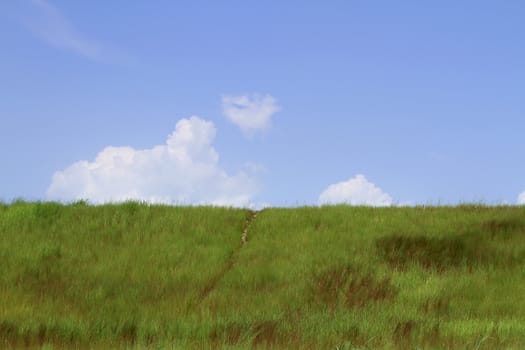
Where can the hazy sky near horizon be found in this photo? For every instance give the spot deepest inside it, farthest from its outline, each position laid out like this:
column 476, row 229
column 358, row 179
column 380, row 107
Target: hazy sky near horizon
column 263, row 102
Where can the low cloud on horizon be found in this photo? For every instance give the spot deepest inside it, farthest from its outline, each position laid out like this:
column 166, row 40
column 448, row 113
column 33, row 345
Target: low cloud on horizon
column 355, row 191
column 184, row 170
column 521, row 198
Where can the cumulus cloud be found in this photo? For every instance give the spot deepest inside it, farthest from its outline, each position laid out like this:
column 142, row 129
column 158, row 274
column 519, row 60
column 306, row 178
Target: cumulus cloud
column 521, row 198
column 184, row 170
column 355, row 191
column 47, row 23
column 250, row 112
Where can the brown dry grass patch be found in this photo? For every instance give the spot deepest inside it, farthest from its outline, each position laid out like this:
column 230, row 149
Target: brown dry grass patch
column 348, row 287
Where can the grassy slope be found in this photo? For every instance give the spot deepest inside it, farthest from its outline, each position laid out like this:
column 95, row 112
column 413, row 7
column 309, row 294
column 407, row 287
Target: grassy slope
column 108, row 274
column 349, row 277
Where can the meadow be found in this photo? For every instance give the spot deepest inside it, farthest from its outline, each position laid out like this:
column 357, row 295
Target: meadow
column 139, row 276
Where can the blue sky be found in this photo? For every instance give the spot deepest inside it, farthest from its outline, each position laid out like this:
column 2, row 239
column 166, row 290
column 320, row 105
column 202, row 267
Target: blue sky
column 263, row 102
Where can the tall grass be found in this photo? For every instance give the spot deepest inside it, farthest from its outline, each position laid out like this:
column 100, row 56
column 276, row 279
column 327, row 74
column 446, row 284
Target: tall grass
column 143, row 276
column 111, row 274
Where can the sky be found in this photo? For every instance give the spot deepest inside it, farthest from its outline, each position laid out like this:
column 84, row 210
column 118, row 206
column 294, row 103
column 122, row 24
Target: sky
column 263, row 103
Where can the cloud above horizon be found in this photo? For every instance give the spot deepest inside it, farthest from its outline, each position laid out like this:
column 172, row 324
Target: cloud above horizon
column 355, row 191
column 250, row 112
column 48, row 24
column 521, row 198
column 184, row 170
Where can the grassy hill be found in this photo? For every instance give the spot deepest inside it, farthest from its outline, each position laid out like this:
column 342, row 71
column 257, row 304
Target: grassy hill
column 138, row 276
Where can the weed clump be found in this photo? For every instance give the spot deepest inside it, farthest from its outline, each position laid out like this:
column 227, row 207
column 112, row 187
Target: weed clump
column 16, row 335
column 346, row 286
column 128, row 332
column 409, row 332
column 404, row 331
column 45, row 274
column 263, row 333
column 47, row 211
column 502, row 228
column 8, row 332
column 266, row 334
column 230, row 334
column 439, row 306
column 431, row 253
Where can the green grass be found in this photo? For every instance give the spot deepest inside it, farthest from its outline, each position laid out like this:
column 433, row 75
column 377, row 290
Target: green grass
column 137, row 276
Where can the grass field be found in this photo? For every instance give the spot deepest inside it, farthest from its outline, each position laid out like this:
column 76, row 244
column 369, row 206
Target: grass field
column 137, row 276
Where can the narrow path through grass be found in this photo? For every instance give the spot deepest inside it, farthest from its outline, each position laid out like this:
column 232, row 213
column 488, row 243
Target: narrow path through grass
column 231, row 261
column 247, row 224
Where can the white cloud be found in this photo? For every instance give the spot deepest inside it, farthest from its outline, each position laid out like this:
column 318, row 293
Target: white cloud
column 355, row 191
column 184, row 170
column 407, row 203
column 48, row 24
column 250, row 112
column 521, row 198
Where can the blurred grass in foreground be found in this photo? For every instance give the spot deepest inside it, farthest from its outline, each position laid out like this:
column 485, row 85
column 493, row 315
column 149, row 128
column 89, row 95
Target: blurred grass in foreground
column 147, row 276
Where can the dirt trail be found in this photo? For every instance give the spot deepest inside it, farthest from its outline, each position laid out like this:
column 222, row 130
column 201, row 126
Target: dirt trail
column 233, row 257
column 247, row 224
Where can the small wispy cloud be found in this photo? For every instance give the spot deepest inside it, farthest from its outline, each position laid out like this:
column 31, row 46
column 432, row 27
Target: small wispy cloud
column 50, row 25
column 250, row 112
